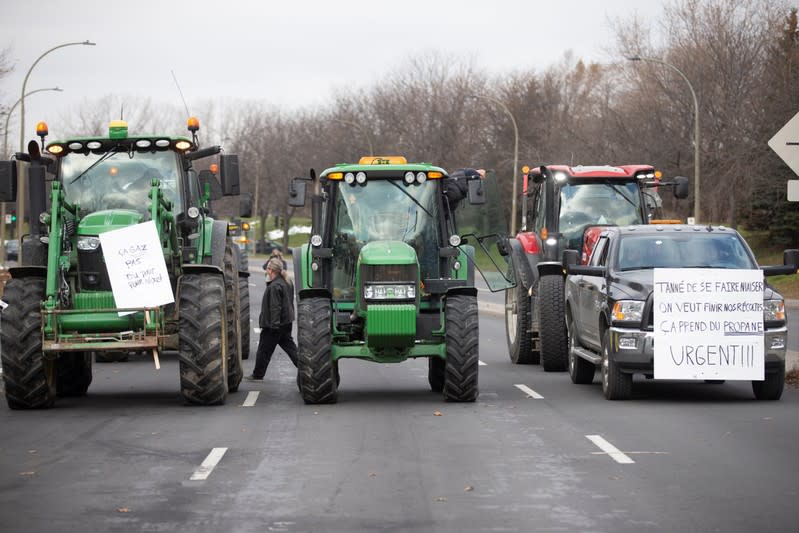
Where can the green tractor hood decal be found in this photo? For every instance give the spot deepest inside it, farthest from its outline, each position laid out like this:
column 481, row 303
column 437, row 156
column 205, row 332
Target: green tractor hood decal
column 387, row 253
column 102, row 221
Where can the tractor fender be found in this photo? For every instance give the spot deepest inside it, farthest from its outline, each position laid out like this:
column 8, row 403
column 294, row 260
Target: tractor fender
column 524, row 264
column 467, row 291
column 218, row 242
column 549, row 268
column 28, row 272
column 190, row 268
column 242, row 262
column 313, row 293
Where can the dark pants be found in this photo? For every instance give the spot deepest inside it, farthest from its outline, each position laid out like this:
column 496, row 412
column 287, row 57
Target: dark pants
column 271, row 338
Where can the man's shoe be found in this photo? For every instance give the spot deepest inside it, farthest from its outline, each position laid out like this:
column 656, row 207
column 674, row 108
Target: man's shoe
column 253, row 378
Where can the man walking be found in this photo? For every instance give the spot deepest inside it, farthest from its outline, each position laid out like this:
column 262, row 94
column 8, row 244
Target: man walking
column 277, row 315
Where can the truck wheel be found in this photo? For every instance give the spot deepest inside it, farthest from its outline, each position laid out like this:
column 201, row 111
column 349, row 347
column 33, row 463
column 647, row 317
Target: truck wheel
column 771, row 387
column 461, row 366
column 235, row 369
column 616, row 385
column 581, row 371
column 317, row 375
column 203, row 366
column 435, row 373
column 29, row 377
column 554, row 342
column 244, row 306
column 73, row 373
column 517, row 322
column 117, row 356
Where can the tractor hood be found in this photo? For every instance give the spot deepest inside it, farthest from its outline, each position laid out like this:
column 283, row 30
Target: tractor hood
column 102, row 221
column 387, row 253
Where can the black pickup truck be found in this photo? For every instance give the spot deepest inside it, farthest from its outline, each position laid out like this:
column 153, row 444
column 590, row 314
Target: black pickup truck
column 609, row 302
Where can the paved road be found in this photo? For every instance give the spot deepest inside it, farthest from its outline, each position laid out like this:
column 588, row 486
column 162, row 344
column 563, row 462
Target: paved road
column 392, row 456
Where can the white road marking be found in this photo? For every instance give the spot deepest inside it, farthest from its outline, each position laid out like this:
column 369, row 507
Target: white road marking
column 251, row 284
column 480, row 363
column 208, row 465
column 529, row 392
column 252, row 396
column 615, row 454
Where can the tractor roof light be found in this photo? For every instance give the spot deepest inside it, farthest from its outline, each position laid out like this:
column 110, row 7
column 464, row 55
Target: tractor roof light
column 421, row 177
column 454, row 240
column 94, row 145
column 560, row 177
column 360, row 177
column 349, row 177
column 41, row 129
column 316, row 240
column 118, row 129
column 193, row 123
column 182, row 145
column 55, row 149
column 409, row 177
column 75, row 146
column 144, row 143
column 162, row 143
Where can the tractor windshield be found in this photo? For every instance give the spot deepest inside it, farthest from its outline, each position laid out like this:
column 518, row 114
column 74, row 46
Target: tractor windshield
column 597, row 203
column 119, row 180
column 383, row 210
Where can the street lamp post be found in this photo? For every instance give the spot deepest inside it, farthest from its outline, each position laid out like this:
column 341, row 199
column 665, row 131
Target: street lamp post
column 515, row 156
column 21, row 192
column 696, row 126
column 5, row 156
column 361, row 129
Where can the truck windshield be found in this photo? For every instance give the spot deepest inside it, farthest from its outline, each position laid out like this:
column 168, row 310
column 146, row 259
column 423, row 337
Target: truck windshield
column 379, row 211
column 120, row 181
column 637, row 252
column 597, row 203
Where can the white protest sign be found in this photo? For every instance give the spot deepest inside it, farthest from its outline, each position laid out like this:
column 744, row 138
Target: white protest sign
column 136, row 266
column 708, row 324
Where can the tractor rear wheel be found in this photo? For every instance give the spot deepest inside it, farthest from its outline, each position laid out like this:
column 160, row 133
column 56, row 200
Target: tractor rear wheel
column 554, row 340
column 244, row 306
column 29, row 377
column 435, row 373
column 463, row 354
column 517, row 323
column 73, row 373
column 317, row 372
column 235, row 368
column 202, row 350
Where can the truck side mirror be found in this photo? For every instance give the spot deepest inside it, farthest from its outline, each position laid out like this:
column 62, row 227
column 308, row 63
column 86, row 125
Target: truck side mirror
column 229, row 174
column 8, row 181
column 476, row 193
column 680, row 189
column 297, row 193
column 206, row 176
column 245, row 205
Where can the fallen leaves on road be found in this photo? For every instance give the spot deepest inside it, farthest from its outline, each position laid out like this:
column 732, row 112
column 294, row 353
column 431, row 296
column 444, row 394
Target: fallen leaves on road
column 123, row 510
column 28, row 473
column 792, row 377
column 372, row 474
column 438, row 413
column 468, row 488
column 441, row 498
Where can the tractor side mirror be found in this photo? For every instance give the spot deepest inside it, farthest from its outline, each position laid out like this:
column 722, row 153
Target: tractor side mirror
column 297, row 193
column 680, row 189
column 476, row 192
column 791, row 258
column 229, row 174
column 206, row 176
column 570, row 257
column 245, row 205
column 8, row 181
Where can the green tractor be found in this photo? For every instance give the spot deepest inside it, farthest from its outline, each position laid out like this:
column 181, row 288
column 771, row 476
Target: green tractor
column 388, row 273
column 62, row 310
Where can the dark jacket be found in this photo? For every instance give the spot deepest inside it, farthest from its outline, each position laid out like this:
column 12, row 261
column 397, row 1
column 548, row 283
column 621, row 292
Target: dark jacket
column 277, row 307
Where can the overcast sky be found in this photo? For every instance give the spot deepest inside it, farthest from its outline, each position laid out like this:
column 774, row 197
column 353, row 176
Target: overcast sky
column 291, row 53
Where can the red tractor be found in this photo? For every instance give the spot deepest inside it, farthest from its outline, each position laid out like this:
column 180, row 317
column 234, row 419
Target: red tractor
column 563, row 203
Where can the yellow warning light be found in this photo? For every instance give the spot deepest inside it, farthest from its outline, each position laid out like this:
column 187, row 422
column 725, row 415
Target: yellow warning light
column 383, row 160
column 658, row 174
column 41, row 129
column 245, row 226
column 525, row 169
column 193, row 124
column 544, row 233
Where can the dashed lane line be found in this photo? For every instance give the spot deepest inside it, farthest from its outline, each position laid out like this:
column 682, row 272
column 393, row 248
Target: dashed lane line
column 614, row 453
column 252, row 397
column 528, row 391
column 480, row 363
column 202, row 473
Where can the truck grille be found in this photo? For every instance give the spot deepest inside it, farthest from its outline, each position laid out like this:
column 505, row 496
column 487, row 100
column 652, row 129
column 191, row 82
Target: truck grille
column 92, row 272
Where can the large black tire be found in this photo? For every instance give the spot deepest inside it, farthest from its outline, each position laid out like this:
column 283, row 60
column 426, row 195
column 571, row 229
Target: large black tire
column 202, row 351
column 244, row 311
column 581, row 371
column 235, row 368
column 771, row 388
column 29, row 377
column 552, row 322
column 117, row 356
column 616, row 385
column 317, row 373
column 73, row 373
column 517, row 325
column 435, row 373
column 463, row 353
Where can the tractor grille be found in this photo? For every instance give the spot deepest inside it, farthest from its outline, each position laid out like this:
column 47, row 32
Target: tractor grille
column 92, row 272
column 387, row 274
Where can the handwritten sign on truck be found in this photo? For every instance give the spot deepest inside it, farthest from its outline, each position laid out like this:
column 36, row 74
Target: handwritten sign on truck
column 136, row 266
column 708, row 324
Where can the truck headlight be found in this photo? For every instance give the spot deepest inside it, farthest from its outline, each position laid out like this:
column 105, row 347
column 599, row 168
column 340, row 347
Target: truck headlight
column 392, row 291
column 628, row 311
column 88, row 244
column 774, row 310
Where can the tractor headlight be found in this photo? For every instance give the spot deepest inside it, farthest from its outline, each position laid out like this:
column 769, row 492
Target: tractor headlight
column 628, row 311
column 88, row 244
column 349, row 177
column 392, row 291
column 316, row 240
column 360, row 177
column 774, row 310
column 421, row 177
column 193, row 212
column 409, row 177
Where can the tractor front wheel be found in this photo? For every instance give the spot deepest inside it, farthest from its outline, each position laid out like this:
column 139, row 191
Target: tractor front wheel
column 554, row 340
column 202, row 350
column 463, row 355
column 317, row 372
column 73, row 373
